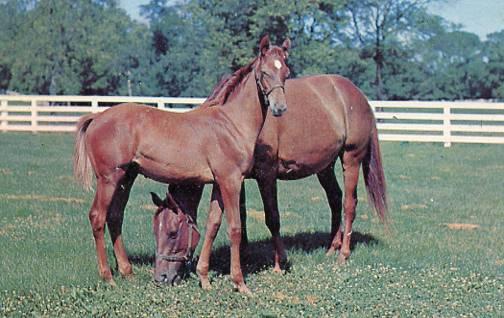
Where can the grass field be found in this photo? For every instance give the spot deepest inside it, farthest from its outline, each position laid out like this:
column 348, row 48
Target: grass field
column 443, row 257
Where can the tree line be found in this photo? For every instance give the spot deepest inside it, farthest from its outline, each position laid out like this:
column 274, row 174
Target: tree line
column 391, row 49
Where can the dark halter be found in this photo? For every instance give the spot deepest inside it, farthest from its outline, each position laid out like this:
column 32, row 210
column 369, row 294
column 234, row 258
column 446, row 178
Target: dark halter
column 187, row 257
column 265, row 92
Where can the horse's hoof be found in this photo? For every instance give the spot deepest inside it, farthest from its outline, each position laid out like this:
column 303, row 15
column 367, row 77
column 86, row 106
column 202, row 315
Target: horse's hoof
column 128, row 275
column 341, row 259
column 205, row 285
column 244, row 290
column 277, row 269
column 330, row 252
column 126, row 272
column 111, row 282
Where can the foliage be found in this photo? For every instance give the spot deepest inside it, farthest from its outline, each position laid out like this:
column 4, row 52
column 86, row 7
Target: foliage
column 81, row 47
column 391, row 49
column 421, row 267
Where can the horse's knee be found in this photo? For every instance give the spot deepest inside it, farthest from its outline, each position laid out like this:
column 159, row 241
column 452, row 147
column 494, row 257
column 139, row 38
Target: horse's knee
column 212, row 228
column 235, row 232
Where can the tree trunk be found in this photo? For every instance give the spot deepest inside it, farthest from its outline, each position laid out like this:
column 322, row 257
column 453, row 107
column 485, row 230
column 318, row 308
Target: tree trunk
column 378, row 58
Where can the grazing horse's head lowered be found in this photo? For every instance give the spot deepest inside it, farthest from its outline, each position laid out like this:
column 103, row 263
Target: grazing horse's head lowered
column 176, row 239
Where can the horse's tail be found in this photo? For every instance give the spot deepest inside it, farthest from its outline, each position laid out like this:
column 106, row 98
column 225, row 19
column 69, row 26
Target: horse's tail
column 82, row 168
column 374, row 178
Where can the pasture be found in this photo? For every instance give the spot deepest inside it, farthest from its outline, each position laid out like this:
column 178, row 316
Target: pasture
column 442, row 256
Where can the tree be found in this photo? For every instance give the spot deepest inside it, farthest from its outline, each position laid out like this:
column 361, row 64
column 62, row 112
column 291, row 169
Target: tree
column 81, row 47
column 12, row 14
column 451, row 61
column 493, row 57
column 378, row 26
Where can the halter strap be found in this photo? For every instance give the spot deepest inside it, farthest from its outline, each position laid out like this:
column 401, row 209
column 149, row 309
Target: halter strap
column 265, row 92
column 189, row 253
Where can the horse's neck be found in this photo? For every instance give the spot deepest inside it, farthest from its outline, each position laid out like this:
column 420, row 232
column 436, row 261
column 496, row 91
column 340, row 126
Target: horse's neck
column 244, row 110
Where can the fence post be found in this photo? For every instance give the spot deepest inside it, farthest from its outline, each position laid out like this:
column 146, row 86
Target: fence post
column 34, row 114
column 4, row 113
column 94, row 105
column 160, row 105
column 446, row 125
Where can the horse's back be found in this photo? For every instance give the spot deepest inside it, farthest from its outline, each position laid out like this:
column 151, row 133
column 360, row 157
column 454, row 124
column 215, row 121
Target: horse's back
column 113, row 135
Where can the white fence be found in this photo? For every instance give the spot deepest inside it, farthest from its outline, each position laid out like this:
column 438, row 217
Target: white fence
column 445, row 122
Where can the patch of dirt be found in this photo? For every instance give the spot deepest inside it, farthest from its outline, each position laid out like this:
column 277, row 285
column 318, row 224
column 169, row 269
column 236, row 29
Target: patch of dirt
column 43, row 198
column 406, row 207
column 316, row 199
column 259, row 215
column 312, row 300
column 462, row 226
column 5, row 171
column 149, row 207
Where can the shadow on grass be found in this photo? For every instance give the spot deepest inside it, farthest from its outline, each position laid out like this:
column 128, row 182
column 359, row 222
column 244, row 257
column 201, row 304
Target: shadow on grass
column 258, row 255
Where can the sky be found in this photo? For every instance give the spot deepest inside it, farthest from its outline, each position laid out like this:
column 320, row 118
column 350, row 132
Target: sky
column 477, row 16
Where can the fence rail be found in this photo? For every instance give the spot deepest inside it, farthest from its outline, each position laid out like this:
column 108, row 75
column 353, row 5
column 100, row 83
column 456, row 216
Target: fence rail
column 416, row 121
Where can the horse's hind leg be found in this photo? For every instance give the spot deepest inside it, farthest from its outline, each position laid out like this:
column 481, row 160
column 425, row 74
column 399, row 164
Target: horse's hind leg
column 351, row 164
column 268, row 190
column 328, row 181
column 97, row 218
column 115, row 218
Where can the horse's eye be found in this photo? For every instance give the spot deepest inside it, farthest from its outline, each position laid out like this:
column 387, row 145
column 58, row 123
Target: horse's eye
column 172, row 235
column 266, row 74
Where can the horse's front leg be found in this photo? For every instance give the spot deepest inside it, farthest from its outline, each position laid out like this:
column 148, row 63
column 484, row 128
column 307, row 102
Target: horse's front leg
column 268, row 189
column 212, row 227
column 243, row 216
column 230, row 191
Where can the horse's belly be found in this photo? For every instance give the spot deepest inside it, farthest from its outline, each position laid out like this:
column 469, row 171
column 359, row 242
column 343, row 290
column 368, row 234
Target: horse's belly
column 305, row 164
column 177, row 171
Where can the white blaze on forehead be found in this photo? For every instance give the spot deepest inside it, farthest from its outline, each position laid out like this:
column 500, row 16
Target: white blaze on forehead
column 277, row 64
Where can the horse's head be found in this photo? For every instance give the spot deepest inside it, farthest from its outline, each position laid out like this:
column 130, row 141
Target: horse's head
column 176, row 239
column 271, row 72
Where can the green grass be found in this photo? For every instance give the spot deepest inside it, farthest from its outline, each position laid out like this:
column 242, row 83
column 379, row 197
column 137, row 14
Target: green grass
column 420, row 267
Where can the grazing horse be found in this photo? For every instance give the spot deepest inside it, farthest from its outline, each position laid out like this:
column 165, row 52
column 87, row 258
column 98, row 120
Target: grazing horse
column 170, row 222
column 213, row 144
column 328, row 118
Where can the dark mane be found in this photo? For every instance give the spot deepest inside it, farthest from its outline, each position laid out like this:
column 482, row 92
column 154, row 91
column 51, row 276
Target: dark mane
column 229, row 84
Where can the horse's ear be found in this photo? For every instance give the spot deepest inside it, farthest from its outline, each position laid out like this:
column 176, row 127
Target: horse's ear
column 157, row 200
column 171, row 203
column 286, row 46
column 264, row 45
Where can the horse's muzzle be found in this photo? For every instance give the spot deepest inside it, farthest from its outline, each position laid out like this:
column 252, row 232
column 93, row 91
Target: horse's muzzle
column 278, row 111
column 168, row 279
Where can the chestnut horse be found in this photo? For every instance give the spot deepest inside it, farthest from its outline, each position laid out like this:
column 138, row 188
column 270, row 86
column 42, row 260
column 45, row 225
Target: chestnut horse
column 169, row 221
column 328, row 118
column 208, row 145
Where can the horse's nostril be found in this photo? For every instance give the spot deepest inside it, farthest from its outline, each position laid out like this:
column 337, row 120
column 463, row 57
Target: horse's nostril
column 176, row 280
column 278, row 110
column 162, row 278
